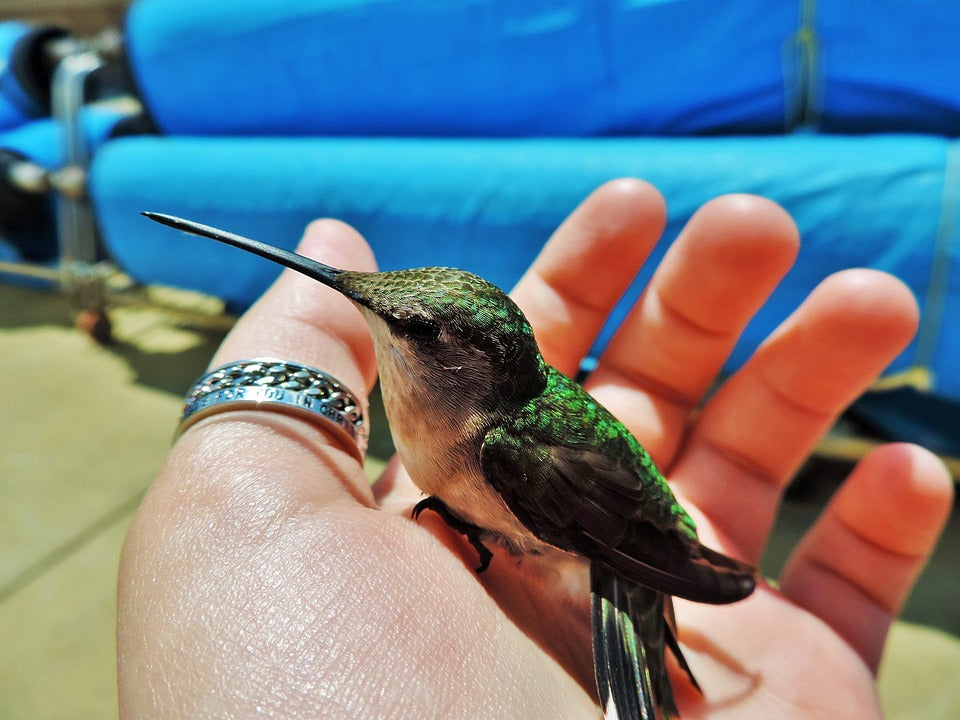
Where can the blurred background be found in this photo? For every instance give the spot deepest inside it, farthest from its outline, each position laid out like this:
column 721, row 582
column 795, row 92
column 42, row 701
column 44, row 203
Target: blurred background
column 457, row 133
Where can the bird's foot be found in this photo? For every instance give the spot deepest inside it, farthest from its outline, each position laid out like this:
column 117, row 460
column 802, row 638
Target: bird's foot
column 470, row 531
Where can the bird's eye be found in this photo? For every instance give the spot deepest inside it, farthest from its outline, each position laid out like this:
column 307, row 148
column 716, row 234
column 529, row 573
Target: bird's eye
column 420, row 329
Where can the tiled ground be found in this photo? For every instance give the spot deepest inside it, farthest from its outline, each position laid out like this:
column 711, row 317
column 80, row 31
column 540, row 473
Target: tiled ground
column 80, row 438
column 82, row 430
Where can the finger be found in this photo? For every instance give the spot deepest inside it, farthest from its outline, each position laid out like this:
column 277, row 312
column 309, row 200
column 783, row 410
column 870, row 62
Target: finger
column 757, row 429
column 585, row 267
column 668, row 351
column 856, row 566
column 299, row 320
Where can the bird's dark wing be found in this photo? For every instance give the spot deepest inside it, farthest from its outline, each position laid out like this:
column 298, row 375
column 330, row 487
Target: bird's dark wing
column 577, row 479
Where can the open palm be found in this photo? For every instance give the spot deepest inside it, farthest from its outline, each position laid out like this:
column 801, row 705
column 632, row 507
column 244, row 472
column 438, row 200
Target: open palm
column 263, row 576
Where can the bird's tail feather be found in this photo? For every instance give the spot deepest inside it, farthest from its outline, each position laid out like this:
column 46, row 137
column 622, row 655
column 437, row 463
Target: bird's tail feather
column 630, row 637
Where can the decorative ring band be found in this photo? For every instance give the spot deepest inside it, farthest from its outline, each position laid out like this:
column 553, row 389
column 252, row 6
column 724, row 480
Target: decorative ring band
column 282, row 386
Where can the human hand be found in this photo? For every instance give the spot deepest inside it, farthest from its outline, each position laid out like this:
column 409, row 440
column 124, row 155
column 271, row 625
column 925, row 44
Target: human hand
column 264, row 576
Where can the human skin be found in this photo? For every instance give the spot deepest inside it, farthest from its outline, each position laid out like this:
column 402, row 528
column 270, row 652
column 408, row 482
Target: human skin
column 264, row 576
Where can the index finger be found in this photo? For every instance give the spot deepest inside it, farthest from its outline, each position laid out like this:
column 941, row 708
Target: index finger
column 296, row 320
column 302, row 320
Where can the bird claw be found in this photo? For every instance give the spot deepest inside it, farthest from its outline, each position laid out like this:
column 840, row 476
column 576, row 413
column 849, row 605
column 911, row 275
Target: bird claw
column 470, row 531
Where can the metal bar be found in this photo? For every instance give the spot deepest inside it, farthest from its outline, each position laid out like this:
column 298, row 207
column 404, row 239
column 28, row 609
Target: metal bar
column 80, row 278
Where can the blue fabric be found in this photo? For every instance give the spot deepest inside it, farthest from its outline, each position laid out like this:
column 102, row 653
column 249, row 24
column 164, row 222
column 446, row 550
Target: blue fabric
column 488, row 206
column 8, row 253
column 16, row 104
column 41, row 141
column 886, row 65
column 459, row 67
column 545, row 67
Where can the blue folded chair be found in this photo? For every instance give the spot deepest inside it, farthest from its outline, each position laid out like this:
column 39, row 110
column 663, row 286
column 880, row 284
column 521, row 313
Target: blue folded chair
column 545, row 67
column 461, row 133
column 28, row 228
column 488, row 206
column 24, row 74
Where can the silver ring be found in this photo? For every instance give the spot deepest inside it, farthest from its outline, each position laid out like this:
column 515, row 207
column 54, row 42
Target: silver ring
column 279, row 385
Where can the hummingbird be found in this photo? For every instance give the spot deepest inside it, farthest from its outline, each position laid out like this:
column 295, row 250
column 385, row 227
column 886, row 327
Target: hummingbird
column 510, row 451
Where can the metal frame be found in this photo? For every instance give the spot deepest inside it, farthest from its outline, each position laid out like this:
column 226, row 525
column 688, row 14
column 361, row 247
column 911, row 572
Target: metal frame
column 80, row 277
column 76, row 271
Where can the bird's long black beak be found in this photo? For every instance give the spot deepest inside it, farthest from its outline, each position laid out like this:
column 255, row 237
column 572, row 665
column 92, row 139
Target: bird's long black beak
column 311, row 268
